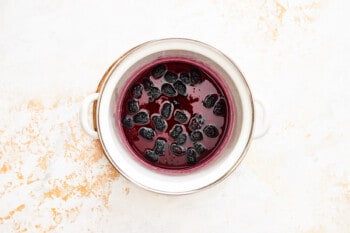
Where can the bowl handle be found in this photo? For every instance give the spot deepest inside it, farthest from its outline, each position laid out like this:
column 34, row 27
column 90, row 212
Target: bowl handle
column 84, row 115
column 262, row 123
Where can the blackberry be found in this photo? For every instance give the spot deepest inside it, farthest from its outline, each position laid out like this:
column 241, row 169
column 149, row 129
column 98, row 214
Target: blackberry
column 191, row 156
column 220, row 108
column 147, row 133
column 159, row 123
column 200, row 148
column 160, row 147
column 170, row 77
column 210, row 100
column 166, row 110
column 185, row 78
column 158, row 71
column 177, row 149
column 181, row 139
column 128, row 122
column 196, row 122
column 168, row 90
column 136, row 91
column 175, row 131
column 153, row 93
column 196, row 136
column 141, row 117
column 147, row 83
column 211, row 131
column 196, row 76
column 180, row 116
column 151, row 155
column 133, row 106
column 180, row 88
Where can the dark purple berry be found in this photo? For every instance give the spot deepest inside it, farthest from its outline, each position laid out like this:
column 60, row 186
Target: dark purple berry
column 151, row 155
column 160, row 147
column 175, row 131
column 211, row 131
column 199, row 148
column 147, row 83
column 153, row 93
column 170, row 77
column 191, row 156
column 196, row 122
column 181, row 139
column 196, row 76
column 128, row 122
column 133, row 106
column 136, row 91
column 166, row 110
column 210, row 100
column 196, row 136
column 180, row 116
column 220, row 108
column 177, row 149
column 147, row 133
column 168, row 90
column 180, row 88
column 158, row 71
column 185, row 78
column 141, row 117
column 159, row 123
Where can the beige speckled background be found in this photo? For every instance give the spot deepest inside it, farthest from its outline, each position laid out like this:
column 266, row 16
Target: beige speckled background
column 295, row 56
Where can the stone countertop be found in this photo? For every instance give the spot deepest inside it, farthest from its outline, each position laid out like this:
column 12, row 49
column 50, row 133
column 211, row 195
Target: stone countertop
column 294, row 54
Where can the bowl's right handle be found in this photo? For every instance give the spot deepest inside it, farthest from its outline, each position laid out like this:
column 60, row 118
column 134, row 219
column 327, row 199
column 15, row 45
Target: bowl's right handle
column 262, row 122
column 84, row 115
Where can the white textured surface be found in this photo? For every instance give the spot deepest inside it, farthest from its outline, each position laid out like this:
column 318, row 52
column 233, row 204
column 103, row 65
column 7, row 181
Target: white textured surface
column 295, row 56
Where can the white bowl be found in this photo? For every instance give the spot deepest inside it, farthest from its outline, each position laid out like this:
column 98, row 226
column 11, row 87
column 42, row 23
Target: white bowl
column 111, row 138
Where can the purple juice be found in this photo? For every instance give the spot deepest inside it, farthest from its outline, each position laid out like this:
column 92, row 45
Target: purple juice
column 175, row 114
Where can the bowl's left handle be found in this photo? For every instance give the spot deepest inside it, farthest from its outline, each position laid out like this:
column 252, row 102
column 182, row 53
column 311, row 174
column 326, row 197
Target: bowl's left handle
column 84, row 115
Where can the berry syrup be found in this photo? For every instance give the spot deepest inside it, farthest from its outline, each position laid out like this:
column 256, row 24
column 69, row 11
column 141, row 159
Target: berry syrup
column 175, row 114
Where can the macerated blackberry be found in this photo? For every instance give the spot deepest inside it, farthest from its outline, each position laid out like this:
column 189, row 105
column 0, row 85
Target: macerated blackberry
column 199, row 147
column 133, row 106
column 168, row 90
column 170, row 77
column 210, row 100
column 191, row 156
column 151, row 155
column 175, row 131
column 196, row 122
column 166, row 110
column 153, row 93
column 196, row 76
column 196, row 136
column 141, row 117
column 211, row 131
column 158, row 71
column 136, row 91
column 147, row 83
column 181, row 139
column 147, row 133
column 180, row 88
column 185, row 78
column 220, row 108
column 159, row 123
column 160, row 147
column 128, row 122
column 180, row 116
column 177, row 149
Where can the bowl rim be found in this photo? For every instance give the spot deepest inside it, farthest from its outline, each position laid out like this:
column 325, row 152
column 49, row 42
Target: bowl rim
column 101, row 104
